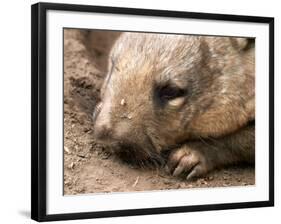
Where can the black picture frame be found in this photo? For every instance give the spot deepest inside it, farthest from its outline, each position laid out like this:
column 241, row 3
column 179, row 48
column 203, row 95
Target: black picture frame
column 38, row 110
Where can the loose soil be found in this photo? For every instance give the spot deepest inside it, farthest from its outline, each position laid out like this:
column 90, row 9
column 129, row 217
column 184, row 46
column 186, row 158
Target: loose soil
column 89, row 167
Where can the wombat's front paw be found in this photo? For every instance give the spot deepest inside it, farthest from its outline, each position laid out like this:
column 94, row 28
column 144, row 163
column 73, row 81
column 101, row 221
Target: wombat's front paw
column 189, row 162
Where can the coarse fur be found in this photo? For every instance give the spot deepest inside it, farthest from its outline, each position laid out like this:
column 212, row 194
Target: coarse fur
column 190, row 96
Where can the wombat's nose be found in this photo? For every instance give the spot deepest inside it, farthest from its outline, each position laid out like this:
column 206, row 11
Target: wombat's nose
column 102, row 124
column 102, row 131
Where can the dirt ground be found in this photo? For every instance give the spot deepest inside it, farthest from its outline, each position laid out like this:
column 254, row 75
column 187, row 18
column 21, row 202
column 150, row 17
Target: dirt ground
column 88, row 166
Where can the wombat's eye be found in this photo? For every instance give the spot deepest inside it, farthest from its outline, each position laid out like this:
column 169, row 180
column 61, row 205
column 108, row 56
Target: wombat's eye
column 169, row 92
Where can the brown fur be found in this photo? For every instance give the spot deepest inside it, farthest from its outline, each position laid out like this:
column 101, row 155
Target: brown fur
column 206, row 125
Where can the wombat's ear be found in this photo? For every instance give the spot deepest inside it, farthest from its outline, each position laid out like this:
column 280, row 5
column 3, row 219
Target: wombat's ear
column 242, row 44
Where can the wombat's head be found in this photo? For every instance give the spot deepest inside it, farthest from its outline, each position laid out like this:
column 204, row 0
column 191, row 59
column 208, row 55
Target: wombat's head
column 162, row 90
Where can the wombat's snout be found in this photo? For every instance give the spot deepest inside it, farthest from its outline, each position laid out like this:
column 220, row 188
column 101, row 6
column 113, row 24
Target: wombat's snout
column 102, row 127
column 102, row 131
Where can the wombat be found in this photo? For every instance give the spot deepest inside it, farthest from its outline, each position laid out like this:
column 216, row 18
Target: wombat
column 185, row 100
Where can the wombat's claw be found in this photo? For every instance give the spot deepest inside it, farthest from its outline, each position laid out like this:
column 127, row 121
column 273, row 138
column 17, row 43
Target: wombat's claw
column 187, row 161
